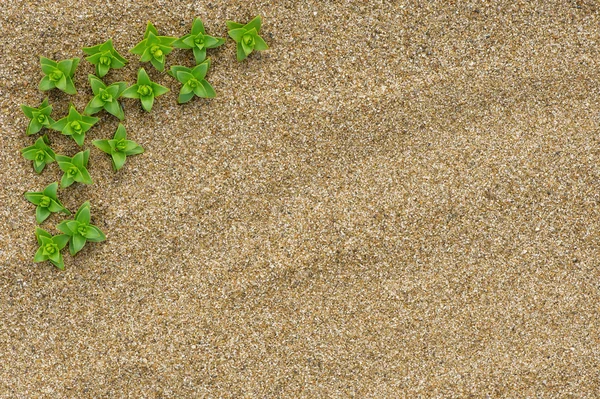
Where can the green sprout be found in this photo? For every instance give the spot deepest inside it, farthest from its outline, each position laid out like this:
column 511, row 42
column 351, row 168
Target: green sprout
column 193, row 82
column 75, row 125
column 145, row 90
column 246, row 37
column 119, row 147
column 40, row 117
column 154, row 48
column 105, row 57
column 50, row 247
column 40, row 153
column 47, row 202
column 105, row 97
column 80, row 230
column 58, row 74
column 198, row 40
column 75, row 169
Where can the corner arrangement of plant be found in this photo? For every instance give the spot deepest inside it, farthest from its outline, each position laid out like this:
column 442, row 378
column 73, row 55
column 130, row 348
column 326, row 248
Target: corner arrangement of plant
column 78, row 229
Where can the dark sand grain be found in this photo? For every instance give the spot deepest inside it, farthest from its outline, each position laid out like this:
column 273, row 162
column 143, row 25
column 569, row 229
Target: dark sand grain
column 399, row 199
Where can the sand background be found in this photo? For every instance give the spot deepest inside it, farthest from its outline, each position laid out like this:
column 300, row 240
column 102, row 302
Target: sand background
column 399, row 199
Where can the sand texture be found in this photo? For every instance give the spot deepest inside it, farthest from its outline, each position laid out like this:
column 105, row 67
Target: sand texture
column 400, row 199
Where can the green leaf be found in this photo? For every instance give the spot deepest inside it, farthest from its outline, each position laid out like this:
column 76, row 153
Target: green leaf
column 79, row 138
column 48, row 66
column 233, row 25
column 147, row 102
column 210, row 92
column 166, row 41
column 102, row 69
column 133, row 148
column 184, row 76
column 131, row 92
column 41, row 214
column 74, row 66
column 158, row 64
column 259, row 43
column 95, row 102
column 199, row 91
column 115, row 109
column 65, row 67
column 241, row 54
column 66, row 181
column 61, row 240
column 33, row 127
column 28, row 111
column 39, row 255
column 29, row 153
column 199, row 72
column 62, row 83
column 96, row 84
column 158, row 89
column 46, row 84
column 78, row 159
column 139, row 48
column 63, row 227
column 117, row 63
column 103, row 146
column 254, row 24
column 118, row 159
column 198, row 27
column 78, row 242
column 51, row 190
column 116, row 89
column 55, row 206
column 247, row 49
column 59, row 125
column 199, row 54
column 185, row 97
column 41, row 234
column 96, row 236
column 150, row 29
column 85, row 177
column 70, row 89
column 143, row 78
column 33, row 197
column 178, row 68
column 146, row 55
column 180, row 43
column 237, row 34
column 92, row 50
column 83, row 215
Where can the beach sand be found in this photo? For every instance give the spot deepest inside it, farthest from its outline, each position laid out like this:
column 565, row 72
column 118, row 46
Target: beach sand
column 397, row 200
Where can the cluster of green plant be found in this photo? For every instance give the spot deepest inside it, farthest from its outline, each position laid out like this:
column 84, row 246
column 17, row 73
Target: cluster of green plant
column 60, row 74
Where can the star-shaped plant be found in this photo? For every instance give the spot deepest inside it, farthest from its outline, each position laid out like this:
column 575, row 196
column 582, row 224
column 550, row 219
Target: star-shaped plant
column 40, row 116
column 193, row 82
column 198, row 40
column 40, row 153
column 246, row 37
column 75, row 169
column 80, row 230
column 58, row 74
column 105, row 57
column 75, row 125
column 154, row 48
column 119, row 147
column 50, row 247
column 105, row 97
column 47, row 202
column 145, row 90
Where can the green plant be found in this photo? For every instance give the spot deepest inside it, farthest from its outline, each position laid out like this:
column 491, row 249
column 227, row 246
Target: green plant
column 40, row 153
column 193, row 81
column 246, row 37
column 153, row 47
column 75, row 125
column 145, row 89
column 40, row 116
column 119, row 147
column 58, row 74
column 80, row 230
column 105, row 57
column 75, row 168
column 47, row 202
column 50, row 247
column 105, row 97
column 198, row 40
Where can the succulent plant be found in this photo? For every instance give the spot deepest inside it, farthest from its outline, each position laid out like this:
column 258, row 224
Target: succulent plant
column 47, row 202
column 153, row 47
column 40, row 153
column 145, row 89
column 39, row 117
column 193, row 81
column 105, row 57
column 75, row 125
column 80, row 230
column 198, row 40
column 246, row 37
column 58, row 74
column 50, row 247
column 105, row 97
column 75, row 168
column 119, row 147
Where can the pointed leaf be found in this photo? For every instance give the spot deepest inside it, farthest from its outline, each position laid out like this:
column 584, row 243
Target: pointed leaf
column 41, row 214
column 103, row 146
column 46, row 84
column 131, row 92
column 210, row 92
column 118, row 159
column 237, row 34
column 34, row 197
column 39, row 255
column 120, row 133
column 51, row 190
column 61, row 240
column 259, row 44
column 241, row 54
column 233, row 25
column 158, row 89
column 184, row 98
column 78, row 242
column 198, row 27
column 115, row 109
column 254, row 24
column 199, row 54
column 147, row 102
column 143, row 78
column 97, row 234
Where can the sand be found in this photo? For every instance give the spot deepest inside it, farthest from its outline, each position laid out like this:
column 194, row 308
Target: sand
column 397, row 200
